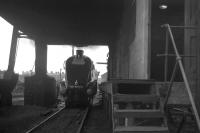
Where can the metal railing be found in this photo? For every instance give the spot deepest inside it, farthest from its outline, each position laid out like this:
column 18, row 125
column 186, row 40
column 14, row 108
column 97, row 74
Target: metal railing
column 180, row 64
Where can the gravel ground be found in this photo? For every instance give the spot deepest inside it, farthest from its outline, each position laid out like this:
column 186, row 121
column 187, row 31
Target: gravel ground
column 97, row 121
column 18, row 119
column 189, row 126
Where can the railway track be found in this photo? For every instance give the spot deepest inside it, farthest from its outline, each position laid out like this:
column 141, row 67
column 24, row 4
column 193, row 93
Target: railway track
column 69, row 120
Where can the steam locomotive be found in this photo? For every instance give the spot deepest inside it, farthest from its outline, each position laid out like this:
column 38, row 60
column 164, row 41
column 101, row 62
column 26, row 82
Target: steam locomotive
column 80, row 88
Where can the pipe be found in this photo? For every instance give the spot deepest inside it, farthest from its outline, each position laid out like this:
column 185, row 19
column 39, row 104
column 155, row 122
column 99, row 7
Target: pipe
column 184, row 75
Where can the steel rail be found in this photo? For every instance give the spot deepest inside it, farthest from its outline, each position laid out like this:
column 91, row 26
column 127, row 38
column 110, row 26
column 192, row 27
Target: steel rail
column 54, row 114
column 83, row 120
column 45, row 120
column 178, row 58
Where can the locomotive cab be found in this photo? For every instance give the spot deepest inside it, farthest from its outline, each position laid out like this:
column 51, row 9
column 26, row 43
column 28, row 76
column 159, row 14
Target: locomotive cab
column 78, row 71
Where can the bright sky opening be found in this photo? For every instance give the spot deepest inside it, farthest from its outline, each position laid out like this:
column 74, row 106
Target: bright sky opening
column 6, row 30
column 57, row 54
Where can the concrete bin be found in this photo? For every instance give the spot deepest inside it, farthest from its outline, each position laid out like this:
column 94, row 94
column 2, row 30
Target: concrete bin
column 40, row 90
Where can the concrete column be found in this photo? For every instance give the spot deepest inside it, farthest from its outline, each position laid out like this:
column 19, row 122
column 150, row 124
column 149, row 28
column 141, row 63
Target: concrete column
column 197, row 91
column 41, row 58
column 40, row 89
column 139, row 66
column 10, row 71
column 191, row 43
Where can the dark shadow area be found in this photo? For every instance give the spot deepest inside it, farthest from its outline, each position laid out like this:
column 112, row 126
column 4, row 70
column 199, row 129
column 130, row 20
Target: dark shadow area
column 78, row 22
column 173, row 15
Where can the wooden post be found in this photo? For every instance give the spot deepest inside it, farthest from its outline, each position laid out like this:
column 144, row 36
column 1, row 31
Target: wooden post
column 129, row 121
column 40, row 89
column 166, row 57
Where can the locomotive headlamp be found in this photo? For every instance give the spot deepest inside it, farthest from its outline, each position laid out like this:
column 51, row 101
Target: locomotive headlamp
column 163, row 5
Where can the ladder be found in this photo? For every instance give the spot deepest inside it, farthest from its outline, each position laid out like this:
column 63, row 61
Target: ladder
column 138, row 113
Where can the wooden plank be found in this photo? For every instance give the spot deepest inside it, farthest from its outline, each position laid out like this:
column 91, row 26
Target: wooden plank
column 138, row 113
column 132, row 81
column 133, row 98
column 141, row 129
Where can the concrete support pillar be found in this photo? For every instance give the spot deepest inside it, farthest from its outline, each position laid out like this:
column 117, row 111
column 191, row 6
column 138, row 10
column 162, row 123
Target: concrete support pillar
column 197, row 91
column 40, row 89
column 41, row 58
column 191, row 47
column 191, row 43
column 139, row 66
column 10, row 71
column 10, row 78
